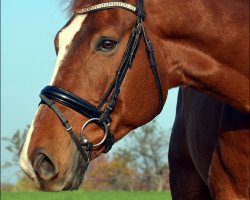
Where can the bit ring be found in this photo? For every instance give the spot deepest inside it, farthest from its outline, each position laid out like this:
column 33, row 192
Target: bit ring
column 105, row 129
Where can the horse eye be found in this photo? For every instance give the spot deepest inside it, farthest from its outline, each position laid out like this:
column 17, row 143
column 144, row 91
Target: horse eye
column 107, row 45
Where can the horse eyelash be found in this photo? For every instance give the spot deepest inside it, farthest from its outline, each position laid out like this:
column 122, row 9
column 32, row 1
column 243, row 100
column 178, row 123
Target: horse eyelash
column 103, row 39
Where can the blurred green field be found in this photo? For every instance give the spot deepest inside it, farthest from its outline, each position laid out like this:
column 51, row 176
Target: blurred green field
column 76, row 195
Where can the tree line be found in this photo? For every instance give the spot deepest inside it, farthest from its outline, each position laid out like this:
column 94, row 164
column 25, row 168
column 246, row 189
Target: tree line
column 139, row 165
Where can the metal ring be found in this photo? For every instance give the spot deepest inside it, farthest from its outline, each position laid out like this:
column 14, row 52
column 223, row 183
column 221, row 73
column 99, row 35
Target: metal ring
column 105, row 130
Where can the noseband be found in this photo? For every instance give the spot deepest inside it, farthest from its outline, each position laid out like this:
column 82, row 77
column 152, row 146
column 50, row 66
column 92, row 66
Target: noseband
column 96, row 114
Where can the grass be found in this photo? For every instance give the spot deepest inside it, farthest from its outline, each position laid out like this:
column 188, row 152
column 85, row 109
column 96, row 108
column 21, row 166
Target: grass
column 81, row 195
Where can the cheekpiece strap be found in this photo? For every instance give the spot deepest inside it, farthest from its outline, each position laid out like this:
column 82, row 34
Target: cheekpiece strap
column 139, row 9
column 66, row 125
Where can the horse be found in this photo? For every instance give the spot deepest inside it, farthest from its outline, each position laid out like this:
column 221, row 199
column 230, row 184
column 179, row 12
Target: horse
column 209, row 149
column 105, row 84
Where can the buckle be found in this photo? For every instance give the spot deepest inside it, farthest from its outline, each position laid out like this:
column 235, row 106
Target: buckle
column 140, row 13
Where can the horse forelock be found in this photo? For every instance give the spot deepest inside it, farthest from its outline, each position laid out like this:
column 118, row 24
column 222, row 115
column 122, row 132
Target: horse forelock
column 77, row 4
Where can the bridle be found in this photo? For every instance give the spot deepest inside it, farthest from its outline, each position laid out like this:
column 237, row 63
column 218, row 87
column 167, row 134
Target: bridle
column 101, row 117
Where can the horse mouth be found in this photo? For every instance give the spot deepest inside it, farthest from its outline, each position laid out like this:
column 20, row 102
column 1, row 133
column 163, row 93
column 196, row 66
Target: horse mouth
column 76, row 175
column 71, row 179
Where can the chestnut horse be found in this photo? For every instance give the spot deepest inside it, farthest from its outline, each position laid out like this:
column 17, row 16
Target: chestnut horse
column 200, row 44
column 209, row 149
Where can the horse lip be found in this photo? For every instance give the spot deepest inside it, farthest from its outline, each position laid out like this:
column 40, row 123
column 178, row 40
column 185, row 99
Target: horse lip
column 76, row 175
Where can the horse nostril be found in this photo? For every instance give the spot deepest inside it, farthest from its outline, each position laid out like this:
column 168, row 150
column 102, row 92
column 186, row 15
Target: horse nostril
column 44, row 167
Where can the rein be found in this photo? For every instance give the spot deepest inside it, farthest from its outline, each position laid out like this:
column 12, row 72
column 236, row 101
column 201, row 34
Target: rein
column 101, row 117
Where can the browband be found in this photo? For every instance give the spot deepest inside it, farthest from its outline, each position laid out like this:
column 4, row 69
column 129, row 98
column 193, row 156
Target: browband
column 109, row 5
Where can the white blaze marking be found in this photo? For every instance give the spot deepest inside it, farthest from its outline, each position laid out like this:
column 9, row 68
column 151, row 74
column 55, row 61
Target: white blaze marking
column 24, row 161
column 65, row 39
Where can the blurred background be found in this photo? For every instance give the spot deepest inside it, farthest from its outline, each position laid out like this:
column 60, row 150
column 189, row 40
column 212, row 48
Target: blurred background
column 28, row 29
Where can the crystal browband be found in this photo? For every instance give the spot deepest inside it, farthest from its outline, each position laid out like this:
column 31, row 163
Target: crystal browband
column 103, row 6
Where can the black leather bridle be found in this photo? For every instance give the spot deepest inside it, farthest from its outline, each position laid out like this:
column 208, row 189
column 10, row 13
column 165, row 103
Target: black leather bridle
column 96, row 114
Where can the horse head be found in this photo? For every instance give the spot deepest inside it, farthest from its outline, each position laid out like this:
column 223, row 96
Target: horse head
column 102, row 88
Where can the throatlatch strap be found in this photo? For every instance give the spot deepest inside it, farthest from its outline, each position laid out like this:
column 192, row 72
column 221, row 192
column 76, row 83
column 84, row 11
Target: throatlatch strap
column 153, row 65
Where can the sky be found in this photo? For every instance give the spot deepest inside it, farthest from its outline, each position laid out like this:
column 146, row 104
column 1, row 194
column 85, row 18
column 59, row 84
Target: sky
column 28, row 58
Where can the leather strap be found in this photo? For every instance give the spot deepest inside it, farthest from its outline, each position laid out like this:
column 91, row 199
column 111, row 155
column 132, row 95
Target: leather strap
column 73, row 101
column 109, row 5
column 66, row 98
column 153, row 65
column 67, row 127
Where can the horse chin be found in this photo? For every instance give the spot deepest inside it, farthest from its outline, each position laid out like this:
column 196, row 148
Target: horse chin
column 76, row 175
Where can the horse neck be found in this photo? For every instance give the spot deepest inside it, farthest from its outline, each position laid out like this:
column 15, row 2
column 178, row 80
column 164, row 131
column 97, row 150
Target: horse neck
column 204, row 45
